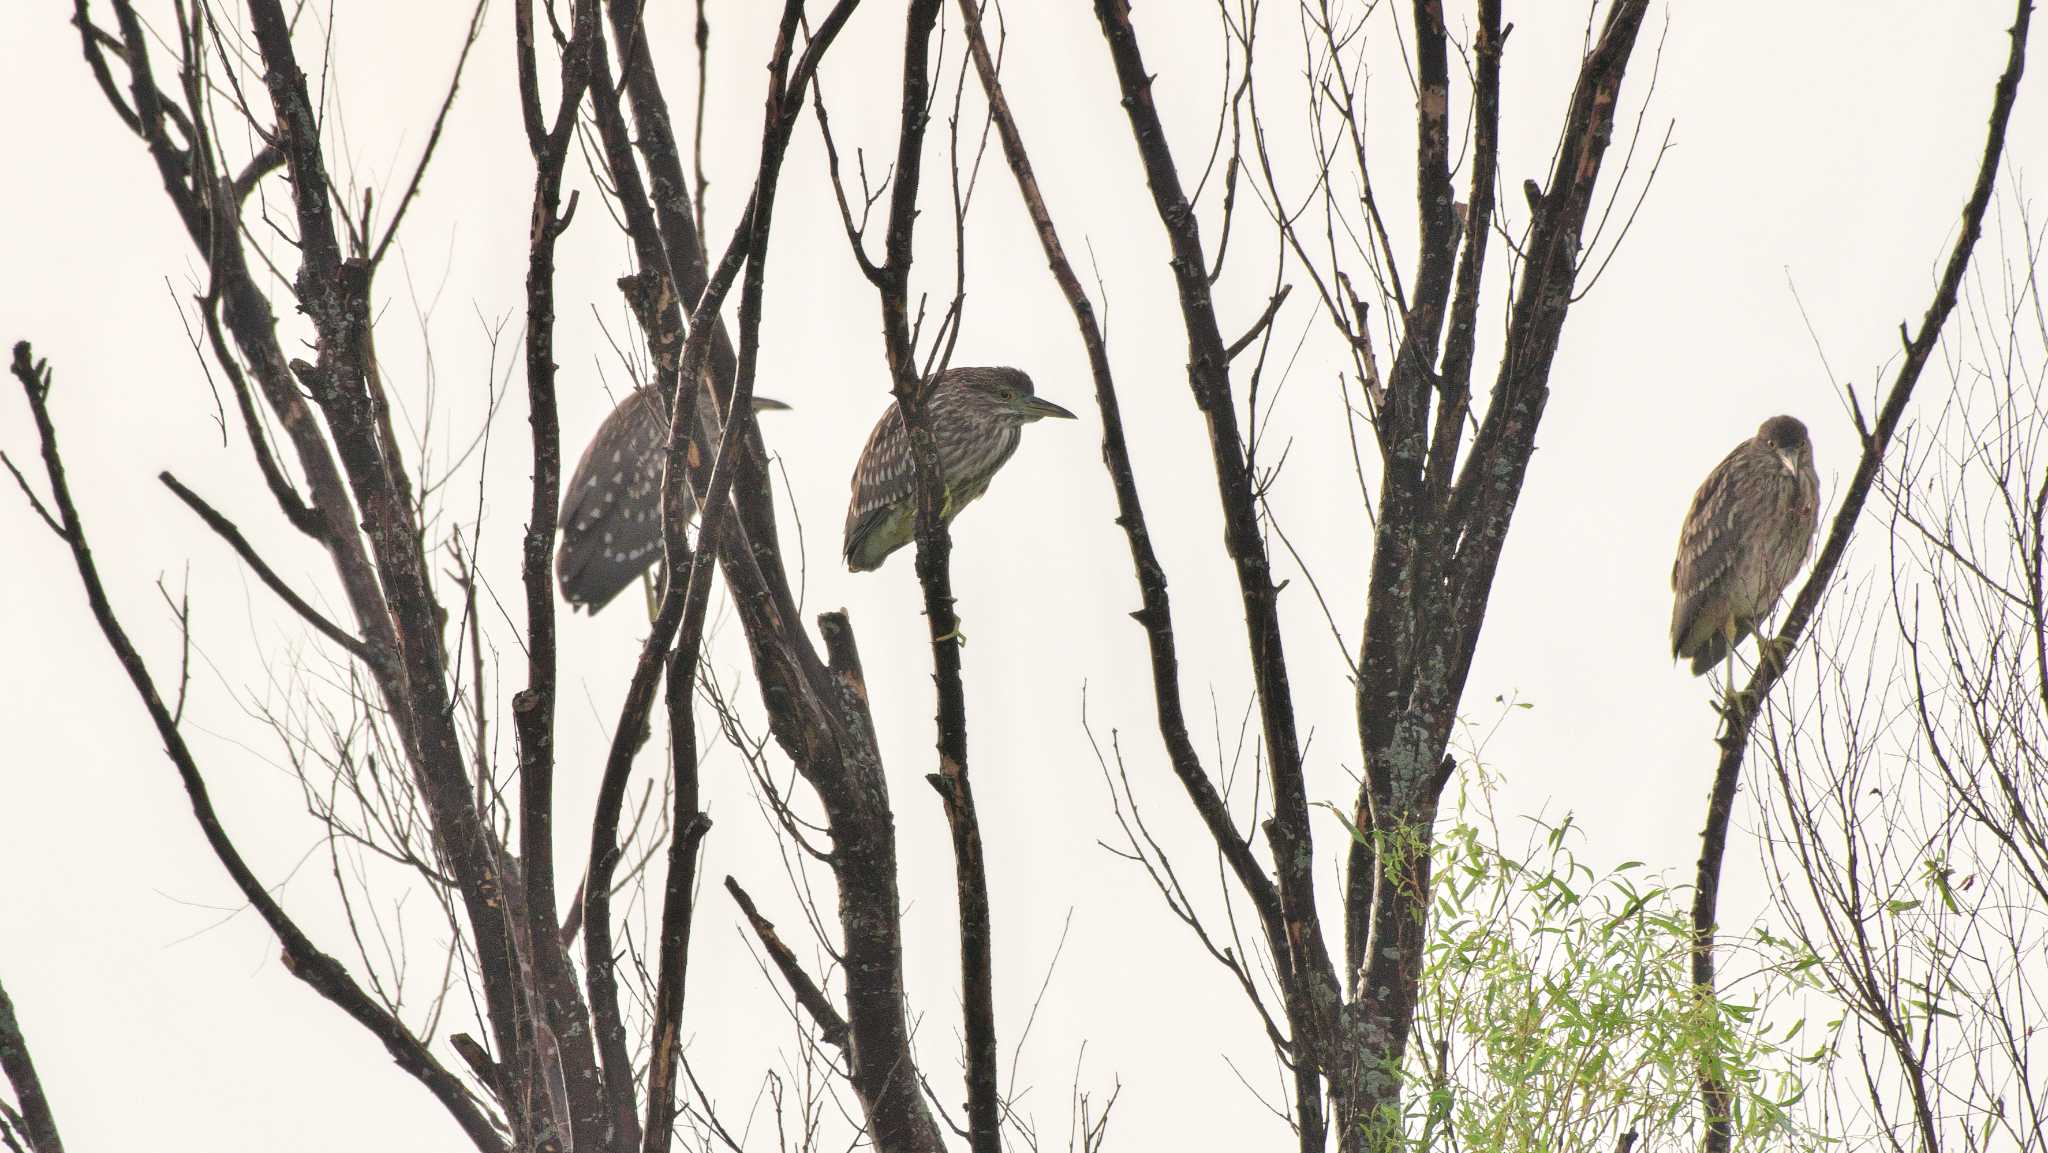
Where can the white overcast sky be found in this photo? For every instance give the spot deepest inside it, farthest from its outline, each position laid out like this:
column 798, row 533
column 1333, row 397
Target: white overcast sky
column 1824, row 145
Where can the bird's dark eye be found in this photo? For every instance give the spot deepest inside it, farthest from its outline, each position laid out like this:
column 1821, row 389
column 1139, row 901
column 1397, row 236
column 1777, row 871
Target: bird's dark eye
column 1009, row 395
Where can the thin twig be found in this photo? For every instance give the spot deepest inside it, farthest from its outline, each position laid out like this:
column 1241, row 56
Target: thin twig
column 1734, row 740
column 226, row 530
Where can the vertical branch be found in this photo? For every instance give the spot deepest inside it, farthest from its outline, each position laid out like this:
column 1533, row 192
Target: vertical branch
column 934, row 573
column 784, row 104
column 703, row 40
column 686, row 595
column 1412, row 536
column 1438, row 544
column 1156, row 614
column 1455, row 386
column 678, row 903
column 533, row 708
column 686, row 266
column 654, row 301
column 1402, row 421
column 821, row 718
column 334, row 293
column 631, row 731
column 1715, row 1095
column 1309, row 979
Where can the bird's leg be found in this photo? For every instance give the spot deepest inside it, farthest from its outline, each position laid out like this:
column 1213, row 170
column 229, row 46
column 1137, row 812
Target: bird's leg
column 1770, row 650
column 650, row 587
column 1731, row 697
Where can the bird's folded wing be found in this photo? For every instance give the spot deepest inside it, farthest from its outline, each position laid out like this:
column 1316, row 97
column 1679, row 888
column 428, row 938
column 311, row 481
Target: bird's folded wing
column 884, row 475
column 1714, row 527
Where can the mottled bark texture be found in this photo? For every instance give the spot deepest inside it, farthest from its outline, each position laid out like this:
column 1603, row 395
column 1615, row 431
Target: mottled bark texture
column 1445, row 504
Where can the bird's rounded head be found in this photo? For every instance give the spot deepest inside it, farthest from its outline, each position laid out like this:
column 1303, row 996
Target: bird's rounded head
column 1008, row 391
column 1784, row 433
column 1786, row 436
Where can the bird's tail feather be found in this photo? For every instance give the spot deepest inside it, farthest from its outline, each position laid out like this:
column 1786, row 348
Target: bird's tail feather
column 1710, row 653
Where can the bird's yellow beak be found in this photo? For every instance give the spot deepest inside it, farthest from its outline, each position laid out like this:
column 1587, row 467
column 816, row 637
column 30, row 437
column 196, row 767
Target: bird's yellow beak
column 1034, row 408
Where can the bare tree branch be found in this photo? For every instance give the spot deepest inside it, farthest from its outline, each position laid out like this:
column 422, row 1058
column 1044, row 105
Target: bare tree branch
column 1156, row 617
column 38, row 1126
column 831, row 1025
column 226, row 530
column 1742, row 713
column 1309, row 980
column 934, row 571
column 538, row 940
column 301, row 957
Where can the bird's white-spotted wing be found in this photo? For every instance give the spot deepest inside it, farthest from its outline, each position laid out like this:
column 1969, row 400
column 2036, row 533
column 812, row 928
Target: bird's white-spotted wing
column 884, row 475
column 611, row 508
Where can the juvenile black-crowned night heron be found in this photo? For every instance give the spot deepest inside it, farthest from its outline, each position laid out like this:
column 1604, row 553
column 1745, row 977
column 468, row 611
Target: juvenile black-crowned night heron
column 976, row 415
column 611, row 511
column 1749, row 530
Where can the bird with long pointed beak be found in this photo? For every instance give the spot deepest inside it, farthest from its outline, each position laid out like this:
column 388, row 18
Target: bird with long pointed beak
column 977, row 417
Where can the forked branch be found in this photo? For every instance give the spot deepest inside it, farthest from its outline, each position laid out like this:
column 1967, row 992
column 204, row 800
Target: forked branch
column 302, row 958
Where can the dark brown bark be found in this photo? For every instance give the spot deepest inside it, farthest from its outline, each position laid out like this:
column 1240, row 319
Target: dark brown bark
column 333, row 292
column 785, row 102
column 37, row 1124
column 226, row 530
column 1716, row 1096
column 385, row 592
column 301, row 957
column 1308, row 979
column 1156, row 614
column 934, row 549
column 818, row 711
column 1437, row 543
column 533, row 708
column 210, row 215
column 1434, row 564
column 678, row 904
column 660, row 315
column 831, row 1025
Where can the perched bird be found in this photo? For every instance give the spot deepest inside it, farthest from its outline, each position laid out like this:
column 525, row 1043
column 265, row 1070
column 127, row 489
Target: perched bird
column 1749, row 530
column 977, row 416
column 611, row 511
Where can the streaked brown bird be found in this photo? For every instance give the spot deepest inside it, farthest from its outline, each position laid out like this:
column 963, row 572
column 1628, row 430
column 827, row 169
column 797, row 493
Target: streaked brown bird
column 611, row 511
column 1749, row 530
column 977, row 416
